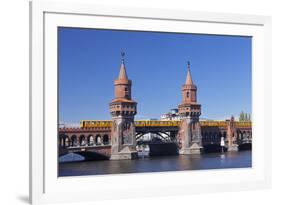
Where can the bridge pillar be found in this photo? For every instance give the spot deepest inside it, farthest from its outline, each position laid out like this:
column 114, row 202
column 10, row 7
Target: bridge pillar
column 123, row 110
column 123, row 144
column 231, row 135
column 189, row 136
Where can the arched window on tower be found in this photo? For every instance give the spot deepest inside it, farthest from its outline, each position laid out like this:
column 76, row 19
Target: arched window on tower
column 126, row 92
column 187, row 94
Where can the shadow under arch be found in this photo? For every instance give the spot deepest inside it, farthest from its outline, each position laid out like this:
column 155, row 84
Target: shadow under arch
column 88, row 155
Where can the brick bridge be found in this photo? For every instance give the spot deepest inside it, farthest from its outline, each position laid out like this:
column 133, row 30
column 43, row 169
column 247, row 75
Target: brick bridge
column 94, row 136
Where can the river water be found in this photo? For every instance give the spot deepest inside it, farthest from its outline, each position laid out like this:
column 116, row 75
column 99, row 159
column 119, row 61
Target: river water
column 240, row 159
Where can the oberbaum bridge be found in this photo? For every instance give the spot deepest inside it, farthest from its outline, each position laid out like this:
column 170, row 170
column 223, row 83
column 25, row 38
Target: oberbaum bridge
column 119, row 138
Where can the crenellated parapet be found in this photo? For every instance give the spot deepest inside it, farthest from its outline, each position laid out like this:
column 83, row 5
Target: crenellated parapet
column 123, row 108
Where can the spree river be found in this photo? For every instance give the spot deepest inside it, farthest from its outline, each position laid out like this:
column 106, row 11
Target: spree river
column 154, row 164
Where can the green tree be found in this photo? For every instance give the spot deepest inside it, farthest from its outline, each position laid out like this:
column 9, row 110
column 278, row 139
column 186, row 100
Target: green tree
column 244, row 117
column 241, row 116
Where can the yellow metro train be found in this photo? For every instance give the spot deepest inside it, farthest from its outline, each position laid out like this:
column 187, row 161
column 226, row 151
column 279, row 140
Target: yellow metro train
column 158, row 123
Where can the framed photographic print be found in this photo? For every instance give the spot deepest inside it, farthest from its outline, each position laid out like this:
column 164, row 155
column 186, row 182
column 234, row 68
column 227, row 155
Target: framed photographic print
column 123, row 97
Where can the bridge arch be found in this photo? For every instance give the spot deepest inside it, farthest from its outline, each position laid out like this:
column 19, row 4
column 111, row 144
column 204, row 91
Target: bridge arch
column 61, row 140
column 219, row 136
column 82, row 140
column 203, row 136
column 247, row 137
column 66, row 141
column 215, row 137
column 208, row 136
column 244, row 135
column 98, row 139
column 73, row 141
column 211, row 137
column 250, row 135
column 105, row 139
column 239, row 136
column 155, row 136
column 90, row 140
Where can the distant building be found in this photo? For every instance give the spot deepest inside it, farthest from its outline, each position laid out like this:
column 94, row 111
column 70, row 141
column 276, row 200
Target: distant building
column 172, row 115
column 69, row 124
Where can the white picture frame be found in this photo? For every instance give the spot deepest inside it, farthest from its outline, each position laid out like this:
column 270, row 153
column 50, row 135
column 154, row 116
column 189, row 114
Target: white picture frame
column 46, row 187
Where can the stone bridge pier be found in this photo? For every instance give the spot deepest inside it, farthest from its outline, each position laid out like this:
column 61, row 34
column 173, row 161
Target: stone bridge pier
column 231, row 136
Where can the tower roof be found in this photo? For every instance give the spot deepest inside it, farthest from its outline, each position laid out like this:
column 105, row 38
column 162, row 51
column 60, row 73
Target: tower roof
column 122, row 72
column 188, row 80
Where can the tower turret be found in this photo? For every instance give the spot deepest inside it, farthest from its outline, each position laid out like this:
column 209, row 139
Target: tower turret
column 122, row 83
column 123, row 110
column 189, row 136
column 189, row 89
column 189, row 105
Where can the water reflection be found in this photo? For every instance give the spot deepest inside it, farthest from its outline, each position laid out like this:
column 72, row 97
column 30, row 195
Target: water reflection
column 158, row 164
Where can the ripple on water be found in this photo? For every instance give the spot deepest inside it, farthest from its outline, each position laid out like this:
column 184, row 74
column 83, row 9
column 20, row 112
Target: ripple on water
column 79, row 167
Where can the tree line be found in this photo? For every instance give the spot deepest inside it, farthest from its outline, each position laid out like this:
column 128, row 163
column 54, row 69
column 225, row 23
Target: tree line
column 244, row 117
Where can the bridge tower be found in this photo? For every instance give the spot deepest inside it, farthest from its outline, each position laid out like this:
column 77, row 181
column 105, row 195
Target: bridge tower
column 231, row 135
column 123, row 110
column 189, row 135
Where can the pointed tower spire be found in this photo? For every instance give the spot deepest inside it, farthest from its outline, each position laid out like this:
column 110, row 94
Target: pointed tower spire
column 188, row 77
column 122, row 72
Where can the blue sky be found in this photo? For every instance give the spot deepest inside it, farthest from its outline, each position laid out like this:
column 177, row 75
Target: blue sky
column 89, row 61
